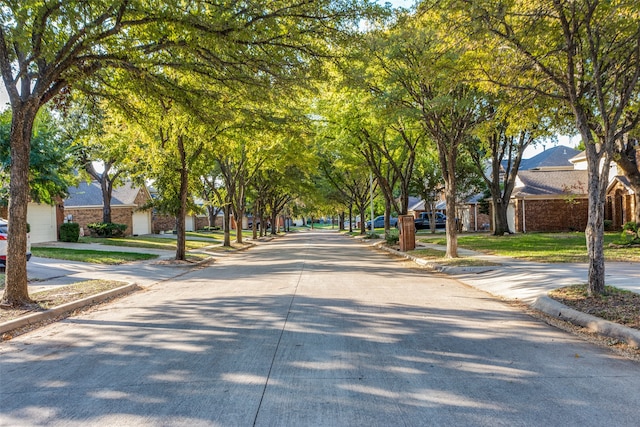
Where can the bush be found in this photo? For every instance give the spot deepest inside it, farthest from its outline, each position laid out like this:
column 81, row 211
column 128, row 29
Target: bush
column 632, row 228
column 608, row 225
column 371, row 235
column 69, row 232
column 392, row 237
column 107, row 229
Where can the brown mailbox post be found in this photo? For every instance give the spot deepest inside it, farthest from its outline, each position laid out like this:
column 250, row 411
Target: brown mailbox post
column 407, row 228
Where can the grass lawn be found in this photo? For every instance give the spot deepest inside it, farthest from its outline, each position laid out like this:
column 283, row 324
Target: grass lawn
column 96, row 257
column 148, row 242
column 539, row 247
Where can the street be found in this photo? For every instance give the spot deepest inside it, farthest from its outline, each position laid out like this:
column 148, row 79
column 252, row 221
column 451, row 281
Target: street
column 311, row 329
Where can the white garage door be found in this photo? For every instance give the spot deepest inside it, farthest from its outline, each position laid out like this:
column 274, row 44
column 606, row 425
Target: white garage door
column 42, row 219
column 141, row 223
column 189, row 223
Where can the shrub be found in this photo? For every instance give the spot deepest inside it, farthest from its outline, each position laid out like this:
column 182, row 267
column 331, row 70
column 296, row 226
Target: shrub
column 632, row 228
column 392, row 237
column 608, row 224
column 69, row 232
column 371, row 235
column 106, row 229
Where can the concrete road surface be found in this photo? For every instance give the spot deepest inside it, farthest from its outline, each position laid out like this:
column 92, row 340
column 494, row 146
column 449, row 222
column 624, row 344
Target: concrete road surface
column 313, row 329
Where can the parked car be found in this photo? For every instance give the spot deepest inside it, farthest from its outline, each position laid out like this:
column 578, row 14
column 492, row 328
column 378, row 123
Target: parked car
column 378, row 222
column 423, row 221
column 4, row 233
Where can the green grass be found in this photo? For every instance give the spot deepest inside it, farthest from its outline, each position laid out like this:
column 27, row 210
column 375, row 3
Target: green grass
column 539, row 247
column 148, row 242
column 96, row 257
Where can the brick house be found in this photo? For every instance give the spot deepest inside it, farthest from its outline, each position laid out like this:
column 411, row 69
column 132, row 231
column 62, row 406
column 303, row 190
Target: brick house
column 620, row 206
column 84, row 206
column 549, row 200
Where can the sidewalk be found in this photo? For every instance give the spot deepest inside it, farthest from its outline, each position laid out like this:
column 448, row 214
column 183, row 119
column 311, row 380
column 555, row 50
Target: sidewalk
column 530, row 282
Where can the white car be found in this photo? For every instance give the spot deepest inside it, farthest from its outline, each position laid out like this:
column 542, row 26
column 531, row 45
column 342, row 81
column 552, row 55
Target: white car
column 4, row 230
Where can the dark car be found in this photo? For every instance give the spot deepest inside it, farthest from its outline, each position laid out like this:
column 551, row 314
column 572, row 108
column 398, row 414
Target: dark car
column 423, row 221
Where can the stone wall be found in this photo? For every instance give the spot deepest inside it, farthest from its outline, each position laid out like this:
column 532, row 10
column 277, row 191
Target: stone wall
column 551, row 215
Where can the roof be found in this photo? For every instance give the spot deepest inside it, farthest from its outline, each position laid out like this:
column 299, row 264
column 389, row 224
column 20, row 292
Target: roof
column 90, row 194
column 551, row 183
column 622, row 180
column 556, row 157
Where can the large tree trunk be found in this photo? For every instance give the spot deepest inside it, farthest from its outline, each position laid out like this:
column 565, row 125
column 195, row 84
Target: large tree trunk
column 16, row 292
column 501, row 221
column 107, row 191
column 211, row 215
column 239, row 216
column 184, row 193
column 597, row 181
column 452, row 235
column 448, row 155
column 227, row 226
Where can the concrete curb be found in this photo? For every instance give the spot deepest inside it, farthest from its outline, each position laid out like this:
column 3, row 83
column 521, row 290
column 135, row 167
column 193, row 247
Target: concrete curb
column 609, row 329
column 544, row 304
column 30, row 319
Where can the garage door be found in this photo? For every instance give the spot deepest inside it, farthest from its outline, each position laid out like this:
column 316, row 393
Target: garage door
column 141, row 223
column 42, row 219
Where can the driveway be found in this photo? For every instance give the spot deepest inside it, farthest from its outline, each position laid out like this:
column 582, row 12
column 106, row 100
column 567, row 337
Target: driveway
column 311, row 329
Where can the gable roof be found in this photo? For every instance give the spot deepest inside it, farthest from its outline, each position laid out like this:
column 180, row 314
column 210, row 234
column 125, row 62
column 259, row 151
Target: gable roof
column 90, row 194
column 622, row 180
column 556, row 157
column 551, row 183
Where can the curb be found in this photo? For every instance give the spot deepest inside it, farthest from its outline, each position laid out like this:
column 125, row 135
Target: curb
column 34, row 318
column 548, row 306
column 600, row 326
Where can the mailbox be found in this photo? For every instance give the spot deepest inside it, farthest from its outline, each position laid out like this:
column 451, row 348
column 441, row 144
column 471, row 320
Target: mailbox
column 407, row 228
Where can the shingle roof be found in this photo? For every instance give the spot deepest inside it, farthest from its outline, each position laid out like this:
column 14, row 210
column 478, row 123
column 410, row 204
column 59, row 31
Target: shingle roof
column 551, row 183
column 90, row 194
column 558, row 156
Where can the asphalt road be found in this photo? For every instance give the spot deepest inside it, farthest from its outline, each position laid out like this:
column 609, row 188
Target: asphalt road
column 311, row 329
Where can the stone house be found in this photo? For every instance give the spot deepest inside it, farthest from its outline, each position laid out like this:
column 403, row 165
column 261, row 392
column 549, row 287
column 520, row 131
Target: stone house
column 84, row 206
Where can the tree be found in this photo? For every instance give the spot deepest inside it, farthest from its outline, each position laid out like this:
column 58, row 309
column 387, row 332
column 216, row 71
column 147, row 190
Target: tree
column 51, row 169
column 499, row 144
column 582, row 54
column 100, row 136
column 427, row 182
column 427, row 70
column 47, row 47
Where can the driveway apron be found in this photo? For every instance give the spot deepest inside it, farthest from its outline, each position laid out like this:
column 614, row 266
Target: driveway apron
column 311, row 329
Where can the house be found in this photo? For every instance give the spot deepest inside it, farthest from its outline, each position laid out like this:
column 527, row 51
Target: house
column 44, row 221
column 549, row 200
column 620, row 206
column 84, row 206
column 468, row 212
column 552, row 194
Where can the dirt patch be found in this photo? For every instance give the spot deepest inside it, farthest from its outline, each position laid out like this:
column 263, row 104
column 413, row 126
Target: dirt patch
column 54, row 297
column 616, row 305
